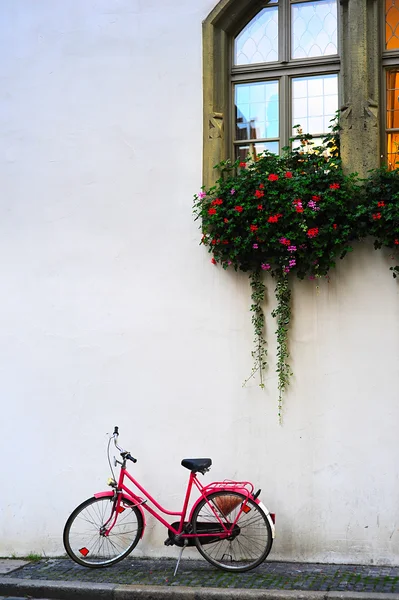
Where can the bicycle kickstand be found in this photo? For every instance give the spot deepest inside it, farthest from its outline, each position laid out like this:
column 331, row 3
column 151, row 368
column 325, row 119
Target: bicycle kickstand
column 180, row 553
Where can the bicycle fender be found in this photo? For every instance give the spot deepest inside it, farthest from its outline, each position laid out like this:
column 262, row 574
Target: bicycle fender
column 126, row 497
column 268, row 517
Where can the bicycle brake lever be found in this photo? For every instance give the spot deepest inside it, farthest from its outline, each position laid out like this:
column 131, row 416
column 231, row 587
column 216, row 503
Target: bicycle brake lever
column 117, row 462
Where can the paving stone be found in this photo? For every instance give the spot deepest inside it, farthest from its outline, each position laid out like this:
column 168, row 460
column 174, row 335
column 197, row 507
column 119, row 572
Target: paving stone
column 198, row 573
column 9, row 565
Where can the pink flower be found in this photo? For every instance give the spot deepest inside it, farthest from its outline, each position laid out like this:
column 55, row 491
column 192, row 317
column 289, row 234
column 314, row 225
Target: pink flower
column 229, row 262
column 201, row 195
column 292, row 262
column 286, row 269
column 312, row 277
column 255, row 246
column 265, row 266
column 291, row 248
column 232, row 191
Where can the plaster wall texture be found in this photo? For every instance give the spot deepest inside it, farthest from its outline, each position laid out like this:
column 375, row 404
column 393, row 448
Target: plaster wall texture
column 110, row 312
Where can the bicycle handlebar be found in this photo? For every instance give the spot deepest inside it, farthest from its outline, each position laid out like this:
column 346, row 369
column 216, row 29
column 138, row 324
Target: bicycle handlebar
column 124, row 453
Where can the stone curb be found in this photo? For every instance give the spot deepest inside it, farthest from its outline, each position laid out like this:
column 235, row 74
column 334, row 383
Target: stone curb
column 67, row 590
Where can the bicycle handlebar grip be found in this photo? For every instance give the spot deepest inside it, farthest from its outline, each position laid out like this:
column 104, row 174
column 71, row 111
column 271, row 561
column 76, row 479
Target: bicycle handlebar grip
column 130, row 457
column 116, row 430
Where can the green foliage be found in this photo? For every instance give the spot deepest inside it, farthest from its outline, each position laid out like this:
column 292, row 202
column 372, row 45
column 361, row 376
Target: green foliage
column 381, row 211
column 258, row 321
column 283, row 315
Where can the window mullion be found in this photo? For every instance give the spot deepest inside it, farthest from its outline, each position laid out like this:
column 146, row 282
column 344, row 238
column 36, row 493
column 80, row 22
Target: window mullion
column 284, row 32
column 285, row 111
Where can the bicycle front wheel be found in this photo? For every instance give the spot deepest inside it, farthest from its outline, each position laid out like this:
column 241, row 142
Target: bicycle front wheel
column 250, row 541
column 84, row 538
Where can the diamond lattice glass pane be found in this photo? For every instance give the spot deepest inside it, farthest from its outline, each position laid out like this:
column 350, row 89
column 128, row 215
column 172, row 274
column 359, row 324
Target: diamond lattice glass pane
column 253, row 150
column 256, row 106
column 258, row 41
column 393, row 99
column 391, row 24
column 314, row 29
column 314, row 102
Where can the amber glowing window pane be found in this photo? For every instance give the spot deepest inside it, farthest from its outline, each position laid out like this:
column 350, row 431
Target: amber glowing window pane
column 393, row 150
column 391, row 24
column 393, row 99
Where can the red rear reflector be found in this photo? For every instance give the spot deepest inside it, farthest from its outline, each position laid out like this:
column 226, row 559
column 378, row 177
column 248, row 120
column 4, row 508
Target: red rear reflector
column 246, row 509
column 121, row 509
column 273, row 517
column 84, row 551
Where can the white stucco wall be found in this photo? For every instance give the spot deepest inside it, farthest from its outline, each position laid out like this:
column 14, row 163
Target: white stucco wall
column 112, row 314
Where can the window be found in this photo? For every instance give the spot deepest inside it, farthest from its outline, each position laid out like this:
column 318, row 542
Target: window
column 390, row 62
column 284, row 72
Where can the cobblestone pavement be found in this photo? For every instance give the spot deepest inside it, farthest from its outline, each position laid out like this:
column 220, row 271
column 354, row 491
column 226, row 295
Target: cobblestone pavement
column 194, row 573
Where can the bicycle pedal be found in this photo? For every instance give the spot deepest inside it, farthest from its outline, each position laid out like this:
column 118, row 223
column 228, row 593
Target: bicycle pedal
column 168, row 542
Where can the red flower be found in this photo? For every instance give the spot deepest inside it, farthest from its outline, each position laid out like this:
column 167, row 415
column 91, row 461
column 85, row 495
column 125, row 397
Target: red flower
column 225, row 220
column 239, row 208
column 288, row 174
column 216, row 202
column 243, row 164
column 396, row 242
column 274, row 218
column 273, row 177
column 299, row 209
column 335, row 226
column 213, row 261
column 318, row 198
column 334, row 186
column 260, row 207
column 377, row 216
column 213, row 242
column 261, row 186
column 381, row 204
column 313, row 232
column 225, row 242
column 253, row 227
column 212, row 211
column 259, row 194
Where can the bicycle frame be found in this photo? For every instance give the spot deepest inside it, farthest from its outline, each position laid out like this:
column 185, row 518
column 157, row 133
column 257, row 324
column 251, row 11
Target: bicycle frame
column 124, row 492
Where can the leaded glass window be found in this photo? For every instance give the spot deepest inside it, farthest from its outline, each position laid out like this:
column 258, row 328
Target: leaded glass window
column 390, row 61
column 285, row 66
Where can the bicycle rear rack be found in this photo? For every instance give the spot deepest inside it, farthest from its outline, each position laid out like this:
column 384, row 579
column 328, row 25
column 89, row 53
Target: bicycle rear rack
column 245, row 487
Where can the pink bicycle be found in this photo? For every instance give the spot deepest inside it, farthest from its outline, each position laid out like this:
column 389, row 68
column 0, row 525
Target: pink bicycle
column 228, row 524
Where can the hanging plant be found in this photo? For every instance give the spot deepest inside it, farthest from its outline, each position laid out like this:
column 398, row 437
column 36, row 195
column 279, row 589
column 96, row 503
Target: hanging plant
column 283, row 215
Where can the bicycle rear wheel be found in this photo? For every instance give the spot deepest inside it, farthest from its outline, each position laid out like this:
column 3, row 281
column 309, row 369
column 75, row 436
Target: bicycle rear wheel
column 251, row 539
column 83, row 536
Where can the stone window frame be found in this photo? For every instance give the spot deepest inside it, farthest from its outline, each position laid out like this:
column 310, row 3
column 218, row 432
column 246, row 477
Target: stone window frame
column 360, row 82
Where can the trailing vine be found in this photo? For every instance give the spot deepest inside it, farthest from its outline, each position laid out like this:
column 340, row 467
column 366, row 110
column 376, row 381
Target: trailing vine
column 282, row 314
column 259, row 354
